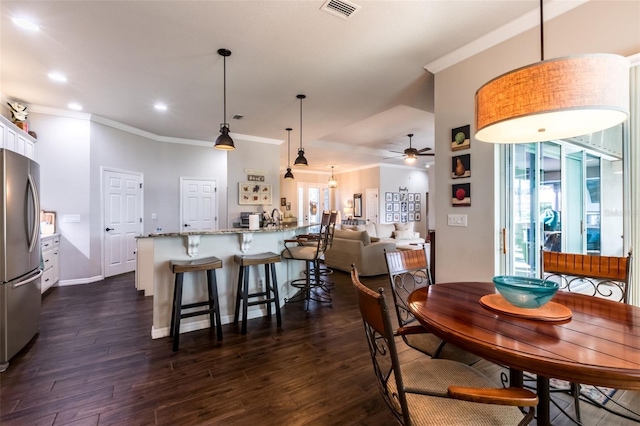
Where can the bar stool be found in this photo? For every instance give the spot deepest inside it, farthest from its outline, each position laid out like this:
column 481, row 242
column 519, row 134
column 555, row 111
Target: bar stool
column 180, row 267
column 270, row 293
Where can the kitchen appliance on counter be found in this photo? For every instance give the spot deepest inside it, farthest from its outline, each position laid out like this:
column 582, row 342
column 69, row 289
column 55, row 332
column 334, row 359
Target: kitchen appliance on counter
column 20, row 271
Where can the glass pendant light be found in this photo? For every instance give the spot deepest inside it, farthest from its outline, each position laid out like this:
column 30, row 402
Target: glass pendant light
column 301, row 160
column 288, row 175
column 224, row 141
column 554, row 99
column 333, row 183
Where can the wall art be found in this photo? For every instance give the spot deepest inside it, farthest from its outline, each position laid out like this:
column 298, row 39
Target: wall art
column 461, row 166
column 251, row 193
column 460, row 138
column 461, row 195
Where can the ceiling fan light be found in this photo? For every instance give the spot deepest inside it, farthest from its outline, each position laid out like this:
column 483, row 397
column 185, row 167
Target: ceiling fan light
column 300, row 160
column 224, row 141
column 554, row 99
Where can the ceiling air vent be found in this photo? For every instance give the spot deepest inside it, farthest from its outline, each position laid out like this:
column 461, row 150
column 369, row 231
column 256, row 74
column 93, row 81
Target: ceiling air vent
column 340, row 8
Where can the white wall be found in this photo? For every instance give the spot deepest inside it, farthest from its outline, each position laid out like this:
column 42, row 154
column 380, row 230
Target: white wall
column 596, row 26
column 393, row 177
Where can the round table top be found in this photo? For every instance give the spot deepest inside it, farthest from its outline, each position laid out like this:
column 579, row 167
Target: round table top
column 599, row 345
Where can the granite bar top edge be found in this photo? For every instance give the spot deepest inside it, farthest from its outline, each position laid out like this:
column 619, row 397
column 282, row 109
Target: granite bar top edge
column 226, row 231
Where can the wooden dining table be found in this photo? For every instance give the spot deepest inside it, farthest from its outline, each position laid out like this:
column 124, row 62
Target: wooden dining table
column 599, row 344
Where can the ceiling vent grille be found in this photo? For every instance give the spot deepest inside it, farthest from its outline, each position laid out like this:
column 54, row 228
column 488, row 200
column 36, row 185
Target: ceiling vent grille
column 340, row 8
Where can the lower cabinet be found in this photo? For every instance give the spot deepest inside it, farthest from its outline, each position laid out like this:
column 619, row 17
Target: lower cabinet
column 50, row 245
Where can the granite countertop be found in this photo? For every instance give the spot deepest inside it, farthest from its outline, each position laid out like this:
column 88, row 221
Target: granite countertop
column 279, row 228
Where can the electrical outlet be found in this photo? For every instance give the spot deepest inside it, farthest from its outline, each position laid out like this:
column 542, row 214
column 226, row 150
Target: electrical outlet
column 457, row 220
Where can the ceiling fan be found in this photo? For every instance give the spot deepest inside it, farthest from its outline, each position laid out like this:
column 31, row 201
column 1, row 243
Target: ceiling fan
column 411, row 153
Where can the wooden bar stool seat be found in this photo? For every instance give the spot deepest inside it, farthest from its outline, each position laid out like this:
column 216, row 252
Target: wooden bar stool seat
column 179, row 268
column 266, row 296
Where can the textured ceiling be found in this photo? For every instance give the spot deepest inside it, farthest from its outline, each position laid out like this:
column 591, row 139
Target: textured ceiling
column 364, row 77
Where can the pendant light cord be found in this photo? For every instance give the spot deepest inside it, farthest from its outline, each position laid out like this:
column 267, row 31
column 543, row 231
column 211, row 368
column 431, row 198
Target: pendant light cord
column 224, row 88
column 301, row 122
column 541, row 30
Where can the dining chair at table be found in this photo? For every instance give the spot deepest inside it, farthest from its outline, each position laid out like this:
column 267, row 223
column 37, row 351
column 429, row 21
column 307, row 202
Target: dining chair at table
column 408, row 271
column 429, row 391
column 599, row 276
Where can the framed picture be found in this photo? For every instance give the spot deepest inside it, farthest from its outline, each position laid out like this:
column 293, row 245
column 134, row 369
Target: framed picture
column 417, row 197
column 404, row 196
column 396, row 207
column 417, row 217
column 412, row 207
column 461, row 195
column 411, row 217
column 461, row 166
column 411, row 195
column 388, row 197
column 403, row 217
column 417, row 207
column 403, row 207
column 388, row 217
column 396, row 217
column 252, row 193
column 388, row 207
column 460, row 138
column 396, row 197
column 283, row 202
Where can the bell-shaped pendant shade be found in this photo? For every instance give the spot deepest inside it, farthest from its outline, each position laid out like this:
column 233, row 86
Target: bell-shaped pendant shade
column 288, row 175
column 224, row 141
column 300, row 159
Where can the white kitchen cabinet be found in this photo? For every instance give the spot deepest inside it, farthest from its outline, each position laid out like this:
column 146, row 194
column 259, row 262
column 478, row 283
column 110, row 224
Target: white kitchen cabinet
column 15, row 139
column 50, row 246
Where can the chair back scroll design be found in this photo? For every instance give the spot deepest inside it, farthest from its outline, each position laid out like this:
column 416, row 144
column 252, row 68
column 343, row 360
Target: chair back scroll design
column 384, row 356
column 408, row 271
column 603, row 276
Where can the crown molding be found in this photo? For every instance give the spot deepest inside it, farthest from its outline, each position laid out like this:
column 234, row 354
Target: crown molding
column 143, row 133
column 634, row 60
column 552, row 9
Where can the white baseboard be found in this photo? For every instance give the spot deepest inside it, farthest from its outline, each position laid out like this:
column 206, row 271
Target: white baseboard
column 185, row 327
column 79, row 281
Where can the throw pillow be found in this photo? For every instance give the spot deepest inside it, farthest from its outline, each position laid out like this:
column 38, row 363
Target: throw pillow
column 384, row 230
column 373, row 239
column 407, row 226
column 403, row 235
column 352, row 235
column 371, row 229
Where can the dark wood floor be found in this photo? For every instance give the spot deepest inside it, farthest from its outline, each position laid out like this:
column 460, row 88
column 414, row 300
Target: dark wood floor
column 94, row 363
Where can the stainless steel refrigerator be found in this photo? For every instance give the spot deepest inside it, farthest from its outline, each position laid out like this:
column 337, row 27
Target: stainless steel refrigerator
column 20, row 270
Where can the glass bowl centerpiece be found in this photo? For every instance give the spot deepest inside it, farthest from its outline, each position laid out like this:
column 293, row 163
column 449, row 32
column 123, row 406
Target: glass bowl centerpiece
column 525, row 292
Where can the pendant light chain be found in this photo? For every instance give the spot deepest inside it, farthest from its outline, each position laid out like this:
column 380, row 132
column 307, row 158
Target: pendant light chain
column 541, row 31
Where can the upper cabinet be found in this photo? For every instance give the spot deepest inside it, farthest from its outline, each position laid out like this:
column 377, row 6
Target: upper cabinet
column 15, row 139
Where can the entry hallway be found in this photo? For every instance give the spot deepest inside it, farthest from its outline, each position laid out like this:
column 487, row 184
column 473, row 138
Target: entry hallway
column 94, row 363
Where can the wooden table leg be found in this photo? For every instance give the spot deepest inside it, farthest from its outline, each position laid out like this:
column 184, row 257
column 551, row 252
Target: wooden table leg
column 542, row 387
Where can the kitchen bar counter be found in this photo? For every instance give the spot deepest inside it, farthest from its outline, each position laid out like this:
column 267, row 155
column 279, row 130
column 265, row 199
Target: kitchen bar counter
column 154, row 277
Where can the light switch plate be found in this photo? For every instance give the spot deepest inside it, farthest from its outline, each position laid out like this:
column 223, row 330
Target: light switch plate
column 457, row 220
column 71, row 218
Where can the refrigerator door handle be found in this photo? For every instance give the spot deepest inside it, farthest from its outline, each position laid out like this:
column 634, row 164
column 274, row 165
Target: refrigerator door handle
column 28, row 280
column 33, row 239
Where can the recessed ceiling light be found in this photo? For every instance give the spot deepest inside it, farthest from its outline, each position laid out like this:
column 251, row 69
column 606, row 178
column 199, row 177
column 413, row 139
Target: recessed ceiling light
column 25, row 24
column 75, row 106
column 160, row 107
column 56, row 76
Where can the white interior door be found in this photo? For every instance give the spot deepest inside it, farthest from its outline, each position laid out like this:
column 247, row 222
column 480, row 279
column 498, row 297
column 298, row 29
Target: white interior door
column 311, row 202
column 199, row 207
column 371, row 214
column 122, row 201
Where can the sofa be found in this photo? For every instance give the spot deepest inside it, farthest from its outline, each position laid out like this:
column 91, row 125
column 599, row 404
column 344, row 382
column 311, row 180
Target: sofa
column 364, row 245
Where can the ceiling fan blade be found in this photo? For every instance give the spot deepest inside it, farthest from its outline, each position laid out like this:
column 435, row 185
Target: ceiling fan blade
column 429, row 154
column 398, row 152
column 395, row 156
column 424, row 149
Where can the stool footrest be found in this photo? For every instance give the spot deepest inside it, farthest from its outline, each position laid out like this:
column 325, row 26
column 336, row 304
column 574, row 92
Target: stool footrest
column 195, row 314
column 194, row 305
column 260, row 302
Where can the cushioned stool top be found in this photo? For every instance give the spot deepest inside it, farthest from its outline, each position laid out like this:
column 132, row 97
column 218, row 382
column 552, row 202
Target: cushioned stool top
column 195, row 265
column 256, row 259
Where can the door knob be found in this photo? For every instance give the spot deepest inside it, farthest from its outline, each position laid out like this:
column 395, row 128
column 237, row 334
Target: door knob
column 186, row 224
column 109, row 229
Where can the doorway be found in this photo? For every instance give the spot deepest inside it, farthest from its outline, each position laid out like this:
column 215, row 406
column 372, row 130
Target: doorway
column 198, row 204
column 313, row 199
column 122, row 219
column 371, row 214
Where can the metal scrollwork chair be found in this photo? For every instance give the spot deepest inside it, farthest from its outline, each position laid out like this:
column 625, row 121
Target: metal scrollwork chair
column 429, row 391
column 409, row 271
column 598, row 276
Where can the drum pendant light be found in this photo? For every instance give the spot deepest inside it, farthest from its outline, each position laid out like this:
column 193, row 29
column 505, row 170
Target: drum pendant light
column 554, row 99
column 288, row 175
column 224, row 141
column 301, row 160
column 333, row 183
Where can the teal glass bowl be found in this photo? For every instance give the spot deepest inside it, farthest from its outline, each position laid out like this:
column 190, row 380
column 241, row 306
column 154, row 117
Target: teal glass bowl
column 525, row 292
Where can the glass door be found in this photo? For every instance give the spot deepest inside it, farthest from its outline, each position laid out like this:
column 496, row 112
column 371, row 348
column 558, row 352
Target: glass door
column 312, row 200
